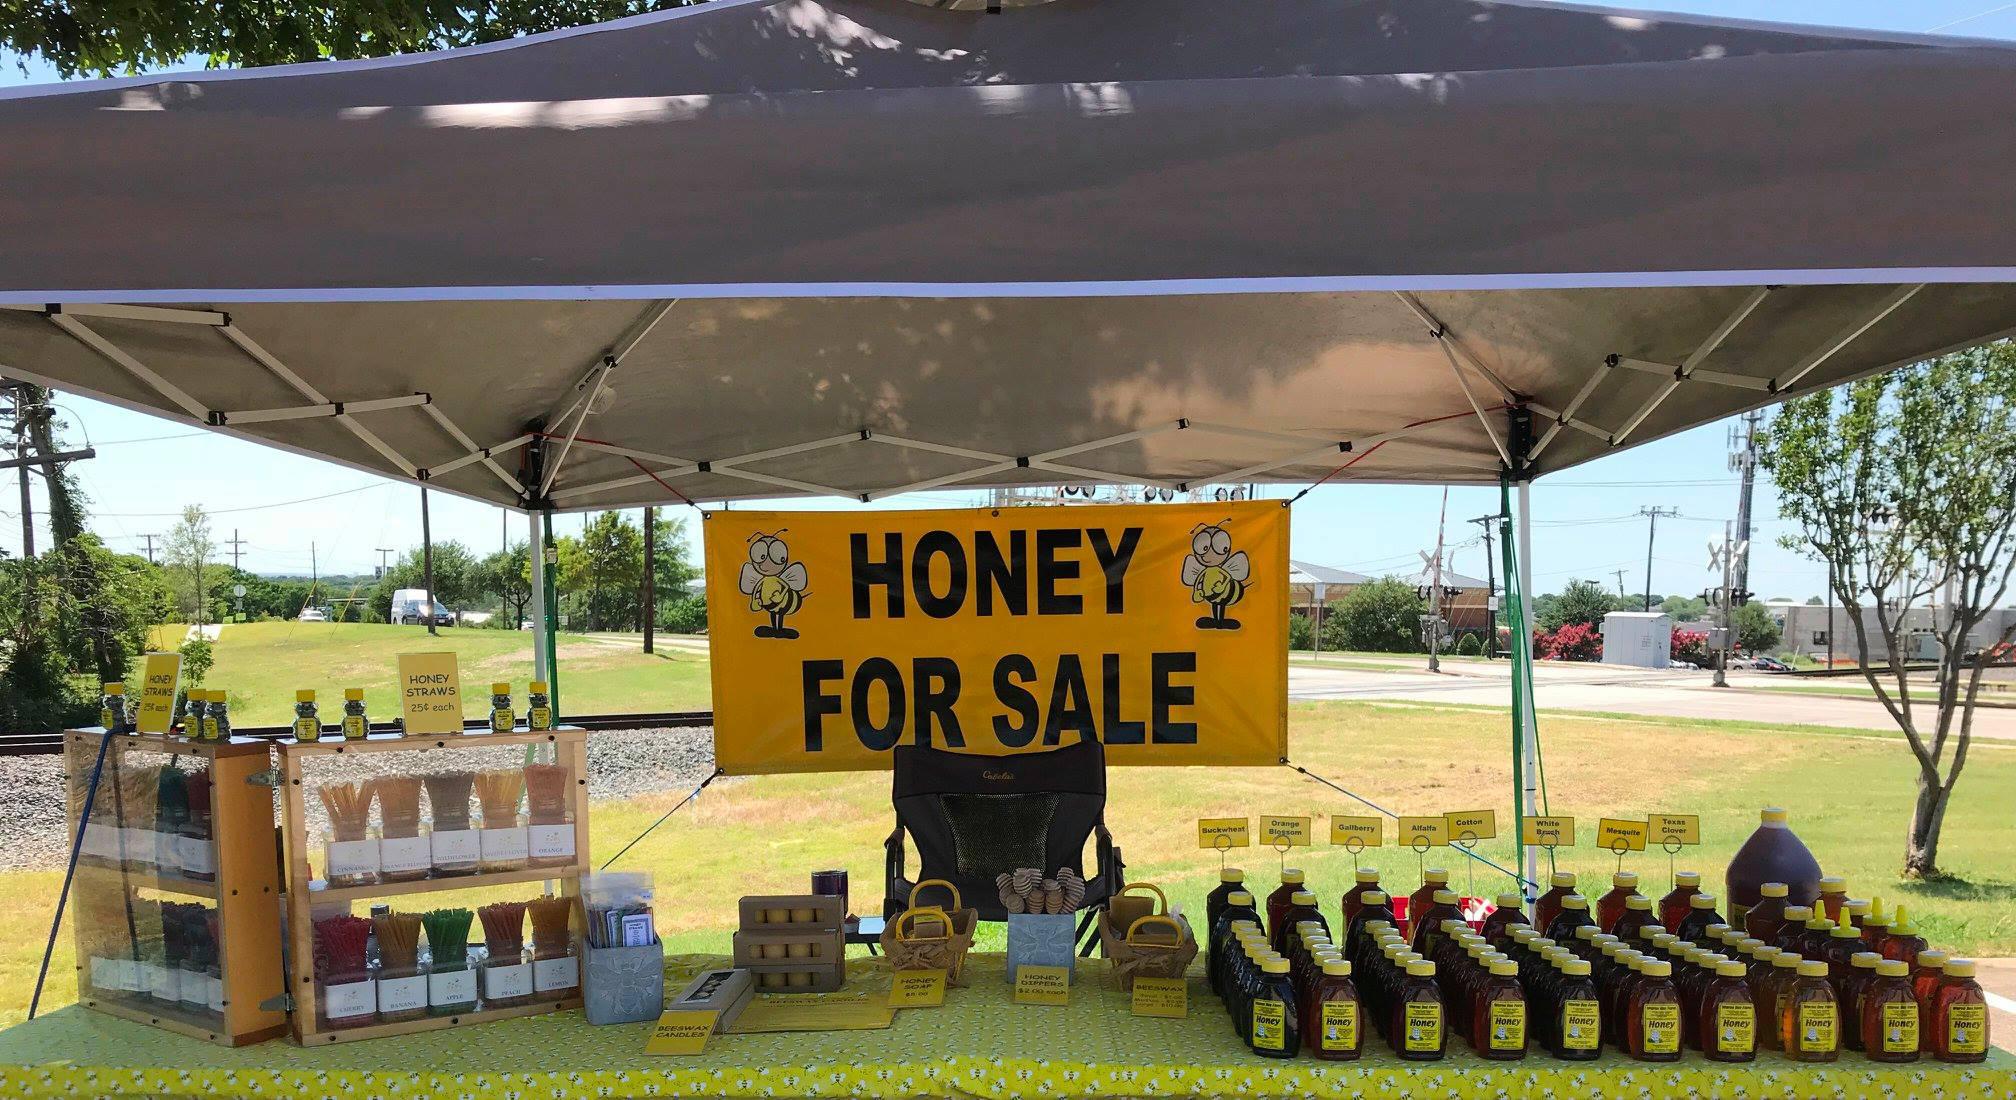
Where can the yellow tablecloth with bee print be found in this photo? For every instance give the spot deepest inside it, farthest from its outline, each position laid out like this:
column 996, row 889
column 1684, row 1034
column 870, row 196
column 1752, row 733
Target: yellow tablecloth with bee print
column 979, row 1044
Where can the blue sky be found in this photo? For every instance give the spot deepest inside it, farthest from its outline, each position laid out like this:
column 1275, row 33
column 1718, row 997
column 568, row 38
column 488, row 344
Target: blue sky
column 286, row 508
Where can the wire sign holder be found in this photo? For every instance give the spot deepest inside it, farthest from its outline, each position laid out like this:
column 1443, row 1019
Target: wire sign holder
column 1466, row 829
column 1549, row 833
column 1222, row 834
column 1423, row 833
column 1620, row 836
column 1284, row 833
column 1674, row 832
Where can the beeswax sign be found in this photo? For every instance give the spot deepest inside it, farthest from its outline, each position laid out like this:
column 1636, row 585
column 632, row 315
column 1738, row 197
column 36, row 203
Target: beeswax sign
column 1160, row 630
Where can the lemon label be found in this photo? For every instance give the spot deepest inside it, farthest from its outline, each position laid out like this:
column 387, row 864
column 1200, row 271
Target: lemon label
column 1967, row 1029
column 1423, row 1022
column 1508, row 1025
column 1661, row 1023
column 1900, row 1027
column 1581, row 1025
column 1340, row 1026
column 1270, row 1025
column 1817, row 1025
column 1736, row 1028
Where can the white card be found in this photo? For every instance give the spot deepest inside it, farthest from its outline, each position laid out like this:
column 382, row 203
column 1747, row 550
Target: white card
column 192, row 988
column 404, row 853
column 137, row 845
column 551, row 841
column 457, row 987
column 352, row 857
column 198, row 855
column 456, row 848
column 161, row 982
column 213, row 994
column 402, row 994
column 500, row 845
column 341, row 1002
column 504, row 982
column 551, row 974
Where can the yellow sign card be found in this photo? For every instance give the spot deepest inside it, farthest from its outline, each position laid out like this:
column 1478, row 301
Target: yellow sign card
column 1284, row 832
column 1549, row 832
column 1370, row 831
column 1620, row 835
column 1167, row 998
column 159, row 674
column 1416, row 830
column 1472, row 825
column 1159, row 632
column 1676, row 828
column 681, row 1031
column 1042, row 985
column 1223, row 832
column 917, row 989
column 430, row 692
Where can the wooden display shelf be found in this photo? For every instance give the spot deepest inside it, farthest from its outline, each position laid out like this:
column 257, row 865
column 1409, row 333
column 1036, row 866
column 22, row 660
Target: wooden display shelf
column 326, row 894
column 245, row 893
column 431, row 1023
column 152, row 880
column 569, row 747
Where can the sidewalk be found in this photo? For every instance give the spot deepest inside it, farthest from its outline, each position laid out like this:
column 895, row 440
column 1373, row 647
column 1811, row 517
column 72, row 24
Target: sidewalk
column 1998, row 977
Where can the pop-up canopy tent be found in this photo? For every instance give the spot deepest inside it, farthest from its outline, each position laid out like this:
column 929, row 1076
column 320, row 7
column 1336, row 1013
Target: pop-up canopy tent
column 775, row 247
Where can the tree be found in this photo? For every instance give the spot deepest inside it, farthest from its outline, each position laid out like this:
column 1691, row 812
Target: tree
column 1383, row 616
column 1581, row 602
column 1301, row 632
column 671, row 571
column 104, row 39
column 1756, row 630
column 1685, row 609
column 187, row 556
column 608, row 578
column 1904, row 487
column 458, row 577
column 507, row 575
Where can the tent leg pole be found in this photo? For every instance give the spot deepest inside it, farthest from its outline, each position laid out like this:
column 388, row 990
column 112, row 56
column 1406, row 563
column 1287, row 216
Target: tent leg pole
column 540, row 627
column 549, row 565
column 1519, row 655
column 1528, row 716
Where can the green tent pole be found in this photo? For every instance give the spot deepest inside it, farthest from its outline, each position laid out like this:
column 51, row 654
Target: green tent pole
column 549, row 566
column 1521, row 657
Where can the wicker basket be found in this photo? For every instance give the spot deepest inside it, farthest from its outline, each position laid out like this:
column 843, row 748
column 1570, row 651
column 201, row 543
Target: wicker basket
column 1156, row 945
column 910, row 944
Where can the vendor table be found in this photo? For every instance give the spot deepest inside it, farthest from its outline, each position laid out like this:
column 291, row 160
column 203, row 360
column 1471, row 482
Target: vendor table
column 979, row 1044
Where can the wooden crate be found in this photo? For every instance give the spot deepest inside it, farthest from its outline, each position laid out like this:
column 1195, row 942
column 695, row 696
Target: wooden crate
column 566, row 745
column 245, row 892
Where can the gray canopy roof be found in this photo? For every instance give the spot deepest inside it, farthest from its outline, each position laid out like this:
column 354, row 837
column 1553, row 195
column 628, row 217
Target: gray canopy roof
column 865, row 245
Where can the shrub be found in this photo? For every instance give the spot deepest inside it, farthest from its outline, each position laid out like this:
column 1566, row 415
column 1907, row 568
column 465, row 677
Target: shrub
column 687, row 616
column 1468, row 646
column 1569, row 642
column 1691, row 646
column 1382, row 616
column 1301, row 632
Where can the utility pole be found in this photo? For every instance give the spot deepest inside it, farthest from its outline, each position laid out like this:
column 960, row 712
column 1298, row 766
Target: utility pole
column 19, row 414
column 236, row 543
column 427, row 563
column 1620, row 581
column 1744, row 459
column 383, row 553
column 150, row 548
column 1651, row 533
column 650, row 570
column 1484, row 524
column 1435, row 590
column 1724, row 556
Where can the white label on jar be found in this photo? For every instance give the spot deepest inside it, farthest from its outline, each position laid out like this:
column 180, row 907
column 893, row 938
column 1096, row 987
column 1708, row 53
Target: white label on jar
column 456, row 848
column 166, row 852
column 197, row 854
column 107, row 973
column 192, row 987
column 402, row 994
column 551, row 974
column 342, row 1002
column 500, row 845
column 352, row 857
column 213, row 994
column 100, row 841
column 161, row 983
column 404, row 853
column 552, row 841
column 137, row 845
column 504, row 982
column 456, row 987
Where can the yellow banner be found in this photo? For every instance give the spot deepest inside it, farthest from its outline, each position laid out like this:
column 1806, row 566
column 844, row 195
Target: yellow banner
column 1161, row 630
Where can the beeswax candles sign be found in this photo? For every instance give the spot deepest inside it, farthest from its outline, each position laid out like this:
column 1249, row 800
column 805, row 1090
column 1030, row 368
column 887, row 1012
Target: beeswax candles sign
column 1159, row 630
column 430, row 692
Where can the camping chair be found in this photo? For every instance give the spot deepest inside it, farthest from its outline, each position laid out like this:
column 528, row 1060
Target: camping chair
column 974, row 817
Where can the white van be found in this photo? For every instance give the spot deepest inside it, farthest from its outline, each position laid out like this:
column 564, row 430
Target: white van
column 410, row 607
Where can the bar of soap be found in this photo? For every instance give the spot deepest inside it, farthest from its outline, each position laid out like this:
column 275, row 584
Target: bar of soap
column 777, row 916
column 928, row 929
column 770, row 981
column 770, row 951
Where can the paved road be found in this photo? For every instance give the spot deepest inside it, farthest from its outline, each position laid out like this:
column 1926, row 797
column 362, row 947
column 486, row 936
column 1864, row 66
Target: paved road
column 1602, row 688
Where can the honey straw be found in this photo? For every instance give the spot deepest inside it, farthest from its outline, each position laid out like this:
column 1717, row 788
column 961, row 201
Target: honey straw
column 398, row 803
column 550, row 918
column 503, row 927
column 349, row 808
column 448, row 797
column 546, row 792
column 499, row 792
column 398, row 939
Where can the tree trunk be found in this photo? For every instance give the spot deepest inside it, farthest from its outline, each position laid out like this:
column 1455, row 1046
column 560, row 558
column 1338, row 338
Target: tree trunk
column 1928, row 816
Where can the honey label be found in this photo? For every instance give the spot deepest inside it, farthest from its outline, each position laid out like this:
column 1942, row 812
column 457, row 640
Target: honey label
column 1900, row 1027
column 1508, row 1025
column 1817, row 1023
column 1661, row 1023
column 1736, row 1027
column 1966, row 1029
column 501, row 720
column 307, row 729
column 209, row 728
column 1270, row 1025
column 539, row 718
column 1340, row 1026
column 1424, row 1026
column 354, row 728
column 1581, row 1025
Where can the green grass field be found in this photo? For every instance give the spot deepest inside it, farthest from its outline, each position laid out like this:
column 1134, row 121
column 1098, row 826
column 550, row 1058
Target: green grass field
column 262, row 665
column 1849, row 793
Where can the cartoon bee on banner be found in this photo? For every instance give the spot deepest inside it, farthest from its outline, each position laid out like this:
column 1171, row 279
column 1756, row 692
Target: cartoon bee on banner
column 774, row 583
column 1215, row 574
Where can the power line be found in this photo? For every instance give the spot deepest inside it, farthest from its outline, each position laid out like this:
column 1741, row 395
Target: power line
column 1651, row 534
column 1970, row 18
column 249, row 507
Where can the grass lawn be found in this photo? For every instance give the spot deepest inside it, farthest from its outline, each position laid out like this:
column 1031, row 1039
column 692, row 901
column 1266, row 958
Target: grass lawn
column 263, row 664
column 1849, row 793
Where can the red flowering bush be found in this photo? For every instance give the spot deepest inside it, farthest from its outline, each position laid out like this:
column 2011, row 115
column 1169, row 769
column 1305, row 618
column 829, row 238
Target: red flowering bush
column 1569, row 642
column 1691, row 646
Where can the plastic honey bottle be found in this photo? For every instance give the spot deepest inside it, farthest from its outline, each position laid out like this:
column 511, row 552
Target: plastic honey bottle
column 1888, row 1012
column 1849, row 992
column 1419, row 902
column 1794, row 928
column 1959, row 1015
column 1276, row 1030
column 1238, row 907
column 1427, row 924
column 1637, row 914
column 1419, row 1032
column 1728, row 1020
column 1505, row 917
column 1673, row 908
column 1611, row 906
column 1278, row 903
column 1547, row 905
column 1574, row 914
column 1699, row 918
column 1229, row 880
column 1772, row 854
column 1498, row 1014
column 1903, row 942
column 1364, row 881
column 1765, row 918
column 1337, row 1033
column 1654, row 1014
column 1833, row 896
column 1772, row 1000
column 1577, row 1033
column 1810, row 1015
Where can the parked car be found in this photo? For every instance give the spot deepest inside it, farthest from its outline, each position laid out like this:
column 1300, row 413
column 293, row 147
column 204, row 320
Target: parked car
column 413, row 607
column 444, row 615
column 1770, row 664
column 314, row 615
